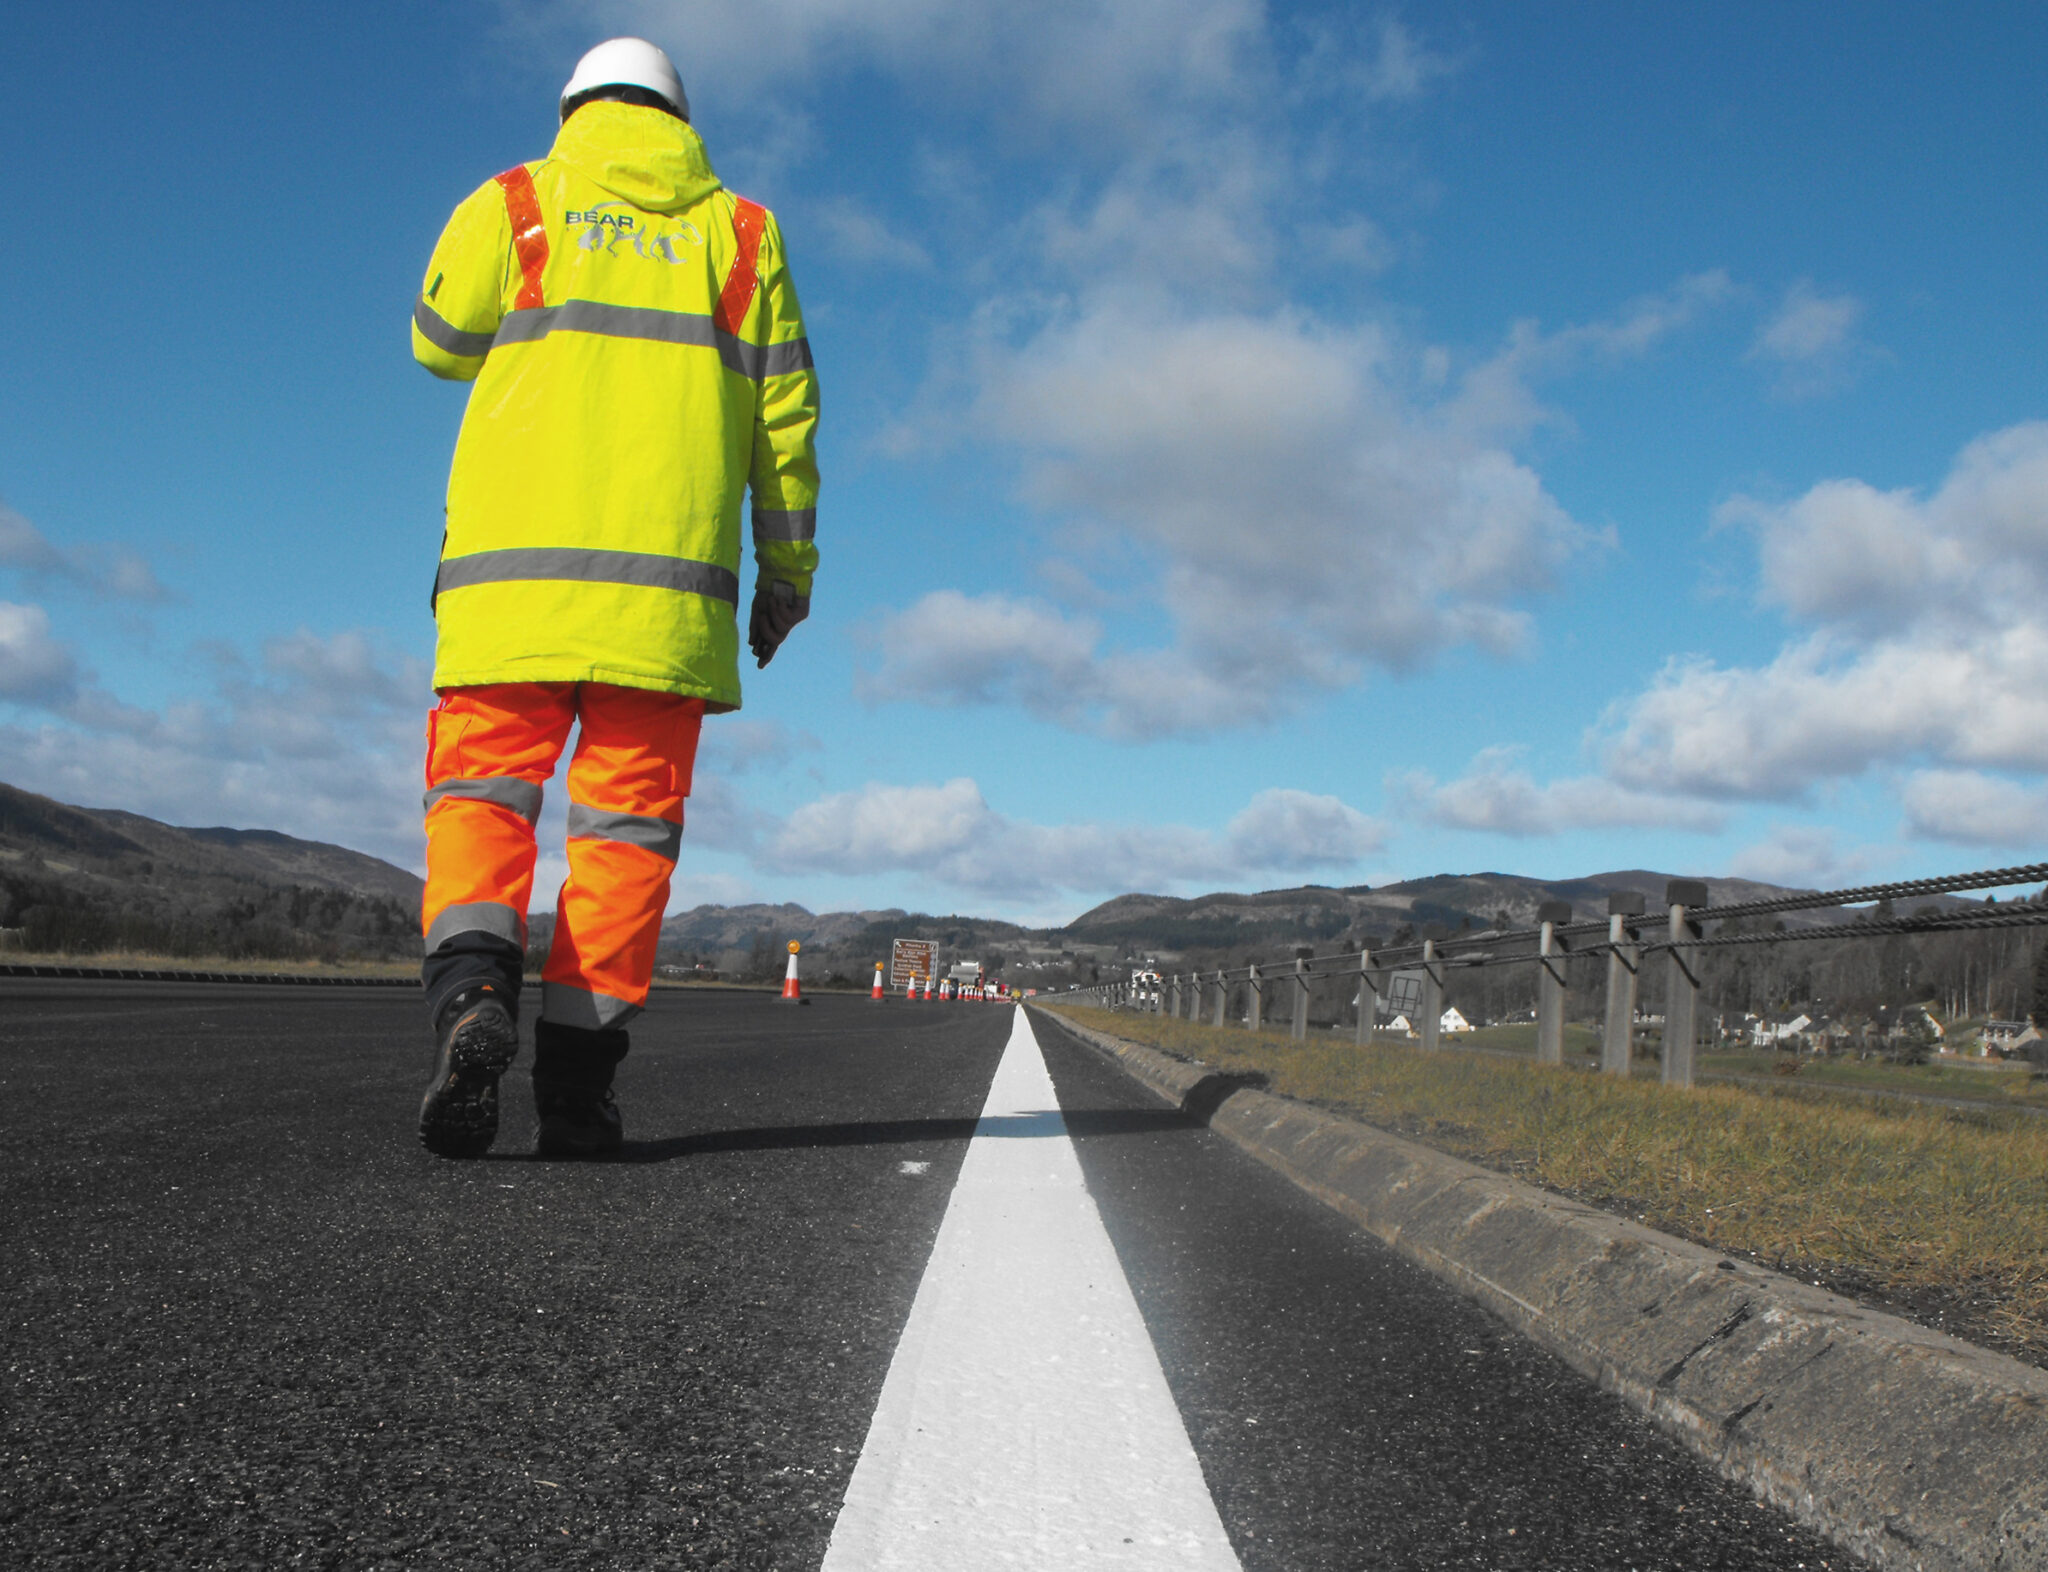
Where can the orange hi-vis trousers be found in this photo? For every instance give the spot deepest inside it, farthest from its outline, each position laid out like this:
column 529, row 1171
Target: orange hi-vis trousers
column 489, row 750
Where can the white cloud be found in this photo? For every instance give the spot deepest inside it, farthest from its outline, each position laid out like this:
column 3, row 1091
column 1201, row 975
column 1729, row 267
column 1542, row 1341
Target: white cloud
column 1495, row 796
column 1402, row 67
column 34, row 667
column 1095, row 64
column 1295, row 831
column 102, row 570
column 321, row 737
column 950, row 835
column 736, row 744
column 858, row 235
column 1927, row 640
column 1811, row 341
column 1299, row 516
column 1975, row 809
column 1802, row 856
column 1300, row 497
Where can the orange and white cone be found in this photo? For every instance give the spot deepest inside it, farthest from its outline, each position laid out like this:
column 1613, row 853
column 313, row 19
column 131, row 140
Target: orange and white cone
column 790, row 990
column 877, row 994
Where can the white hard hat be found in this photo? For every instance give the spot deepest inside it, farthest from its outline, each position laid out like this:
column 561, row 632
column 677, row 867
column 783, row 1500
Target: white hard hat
column 628, row 62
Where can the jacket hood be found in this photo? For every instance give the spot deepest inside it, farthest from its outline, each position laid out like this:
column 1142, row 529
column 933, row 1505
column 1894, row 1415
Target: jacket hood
column 650, row 158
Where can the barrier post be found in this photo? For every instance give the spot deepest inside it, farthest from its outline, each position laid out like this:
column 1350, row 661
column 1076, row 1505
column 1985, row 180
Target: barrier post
column 1298, row 1027
column 1682, row 982
column 1222, row 995
column 1368, row 997
column 1255, row 998
column 1173, row 995
column 1623, row 956
column 1432, row 1023
column 1550, row 983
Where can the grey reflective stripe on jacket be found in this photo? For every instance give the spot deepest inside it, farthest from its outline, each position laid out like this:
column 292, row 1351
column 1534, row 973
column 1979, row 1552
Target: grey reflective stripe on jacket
column 785, row 523
column 753, row 361
column 663, row 837
column 588, row 565
column 443, row 334
column 507, row 791
column 489, row 917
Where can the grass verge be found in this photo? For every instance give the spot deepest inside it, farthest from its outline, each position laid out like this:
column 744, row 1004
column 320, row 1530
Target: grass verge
column 138, row 961
column 1938, row 1214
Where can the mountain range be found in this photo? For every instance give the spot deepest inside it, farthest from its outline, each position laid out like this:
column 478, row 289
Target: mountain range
column 84, row 878
column 90, row 879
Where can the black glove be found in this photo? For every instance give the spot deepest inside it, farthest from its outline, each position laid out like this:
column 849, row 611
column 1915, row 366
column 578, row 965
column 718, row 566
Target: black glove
column 777, row 609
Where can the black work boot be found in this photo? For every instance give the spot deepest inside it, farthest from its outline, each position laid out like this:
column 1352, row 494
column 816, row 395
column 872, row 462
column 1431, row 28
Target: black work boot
column 572, row 1090
column 479, row 1038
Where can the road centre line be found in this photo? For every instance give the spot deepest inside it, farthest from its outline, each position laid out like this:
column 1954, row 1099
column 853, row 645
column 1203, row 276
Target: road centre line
column 1025, row 1421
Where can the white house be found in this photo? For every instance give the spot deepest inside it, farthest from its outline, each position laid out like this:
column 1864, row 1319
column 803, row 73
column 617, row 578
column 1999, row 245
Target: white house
column 1768, row 1034
column 1452, row 1021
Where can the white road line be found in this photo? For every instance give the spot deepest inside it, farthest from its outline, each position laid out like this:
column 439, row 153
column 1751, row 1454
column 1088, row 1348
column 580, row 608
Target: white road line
column 1025, row 1421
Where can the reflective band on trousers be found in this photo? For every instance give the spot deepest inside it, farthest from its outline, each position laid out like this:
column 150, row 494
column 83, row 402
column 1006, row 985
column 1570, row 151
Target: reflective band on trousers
column 476, row 917
column 566, row 1005
column 785, row 523
column 443, row 334
column 663, row 837
column 588, row 565
column 753, row 361
column 522, row 797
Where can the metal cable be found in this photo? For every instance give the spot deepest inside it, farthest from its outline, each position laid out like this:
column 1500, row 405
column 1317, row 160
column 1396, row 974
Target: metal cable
column 1456, row 952
column 1958, row 922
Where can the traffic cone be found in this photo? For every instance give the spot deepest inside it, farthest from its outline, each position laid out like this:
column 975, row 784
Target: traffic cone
column 877, row 994
column 790, row 991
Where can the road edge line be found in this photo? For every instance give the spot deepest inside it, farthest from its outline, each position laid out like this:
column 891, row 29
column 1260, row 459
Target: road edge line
column 1906, row 1446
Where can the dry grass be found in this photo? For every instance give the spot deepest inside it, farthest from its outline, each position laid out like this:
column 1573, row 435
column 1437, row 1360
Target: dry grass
column 1939, row 1213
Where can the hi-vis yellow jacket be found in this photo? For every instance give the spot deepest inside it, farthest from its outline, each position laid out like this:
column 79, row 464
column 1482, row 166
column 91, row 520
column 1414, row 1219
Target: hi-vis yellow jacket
column 639, row 360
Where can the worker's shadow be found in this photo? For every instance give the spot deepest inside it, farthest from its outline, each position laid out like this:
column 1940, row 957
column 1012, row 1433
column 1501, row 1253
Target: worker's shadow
column 1195, row 1111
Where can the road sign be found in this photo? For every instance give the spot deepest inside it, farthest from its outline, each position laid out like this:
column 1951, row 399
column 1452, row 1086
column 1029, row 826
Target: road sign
column 908, row 958
column 1402, row 995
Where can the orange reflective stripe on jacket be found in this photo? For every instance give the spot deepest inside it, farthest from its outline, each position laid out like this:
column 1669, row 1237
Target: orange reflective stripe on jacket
column 738, row 294
column 529, row 233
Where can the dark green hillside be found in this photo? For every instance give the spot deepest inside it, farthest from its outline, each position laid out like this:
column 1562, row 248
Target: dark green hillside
column 84, row 880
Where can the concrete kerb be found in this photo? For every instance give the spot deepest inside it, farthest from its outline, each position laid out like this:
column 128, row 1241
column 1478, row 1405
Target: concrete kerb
column 1910, row 1448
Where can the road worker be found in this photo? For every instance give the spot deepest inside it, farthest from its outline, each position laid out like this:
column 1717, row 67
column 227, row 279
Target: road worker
column 638, row 361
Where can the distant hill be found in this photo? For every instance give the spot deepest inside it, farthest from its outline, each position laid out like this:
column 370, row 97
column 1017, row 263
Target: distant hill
column 84, row 879
column 97, row 878
column 1430, row 907
column 1232, row 926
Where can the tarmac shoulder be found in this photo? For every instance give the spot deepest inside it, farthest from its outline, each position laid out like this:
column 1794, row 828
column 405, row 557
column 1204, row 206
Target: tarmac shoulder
column 1907, row 1446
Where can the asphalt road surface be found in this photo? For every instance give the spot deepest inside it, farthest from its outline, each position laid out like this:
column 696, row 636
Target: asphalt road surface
column 246, row 1322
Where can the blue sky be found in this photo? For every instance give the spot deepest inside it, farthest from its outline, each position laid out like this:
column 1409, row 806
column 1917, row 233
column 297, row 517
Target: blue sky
column 1263, row 444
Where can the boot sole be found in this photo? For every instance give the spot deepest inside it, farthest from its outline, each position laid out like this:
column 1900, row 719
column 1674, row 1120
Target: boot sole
column 459, row 1116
